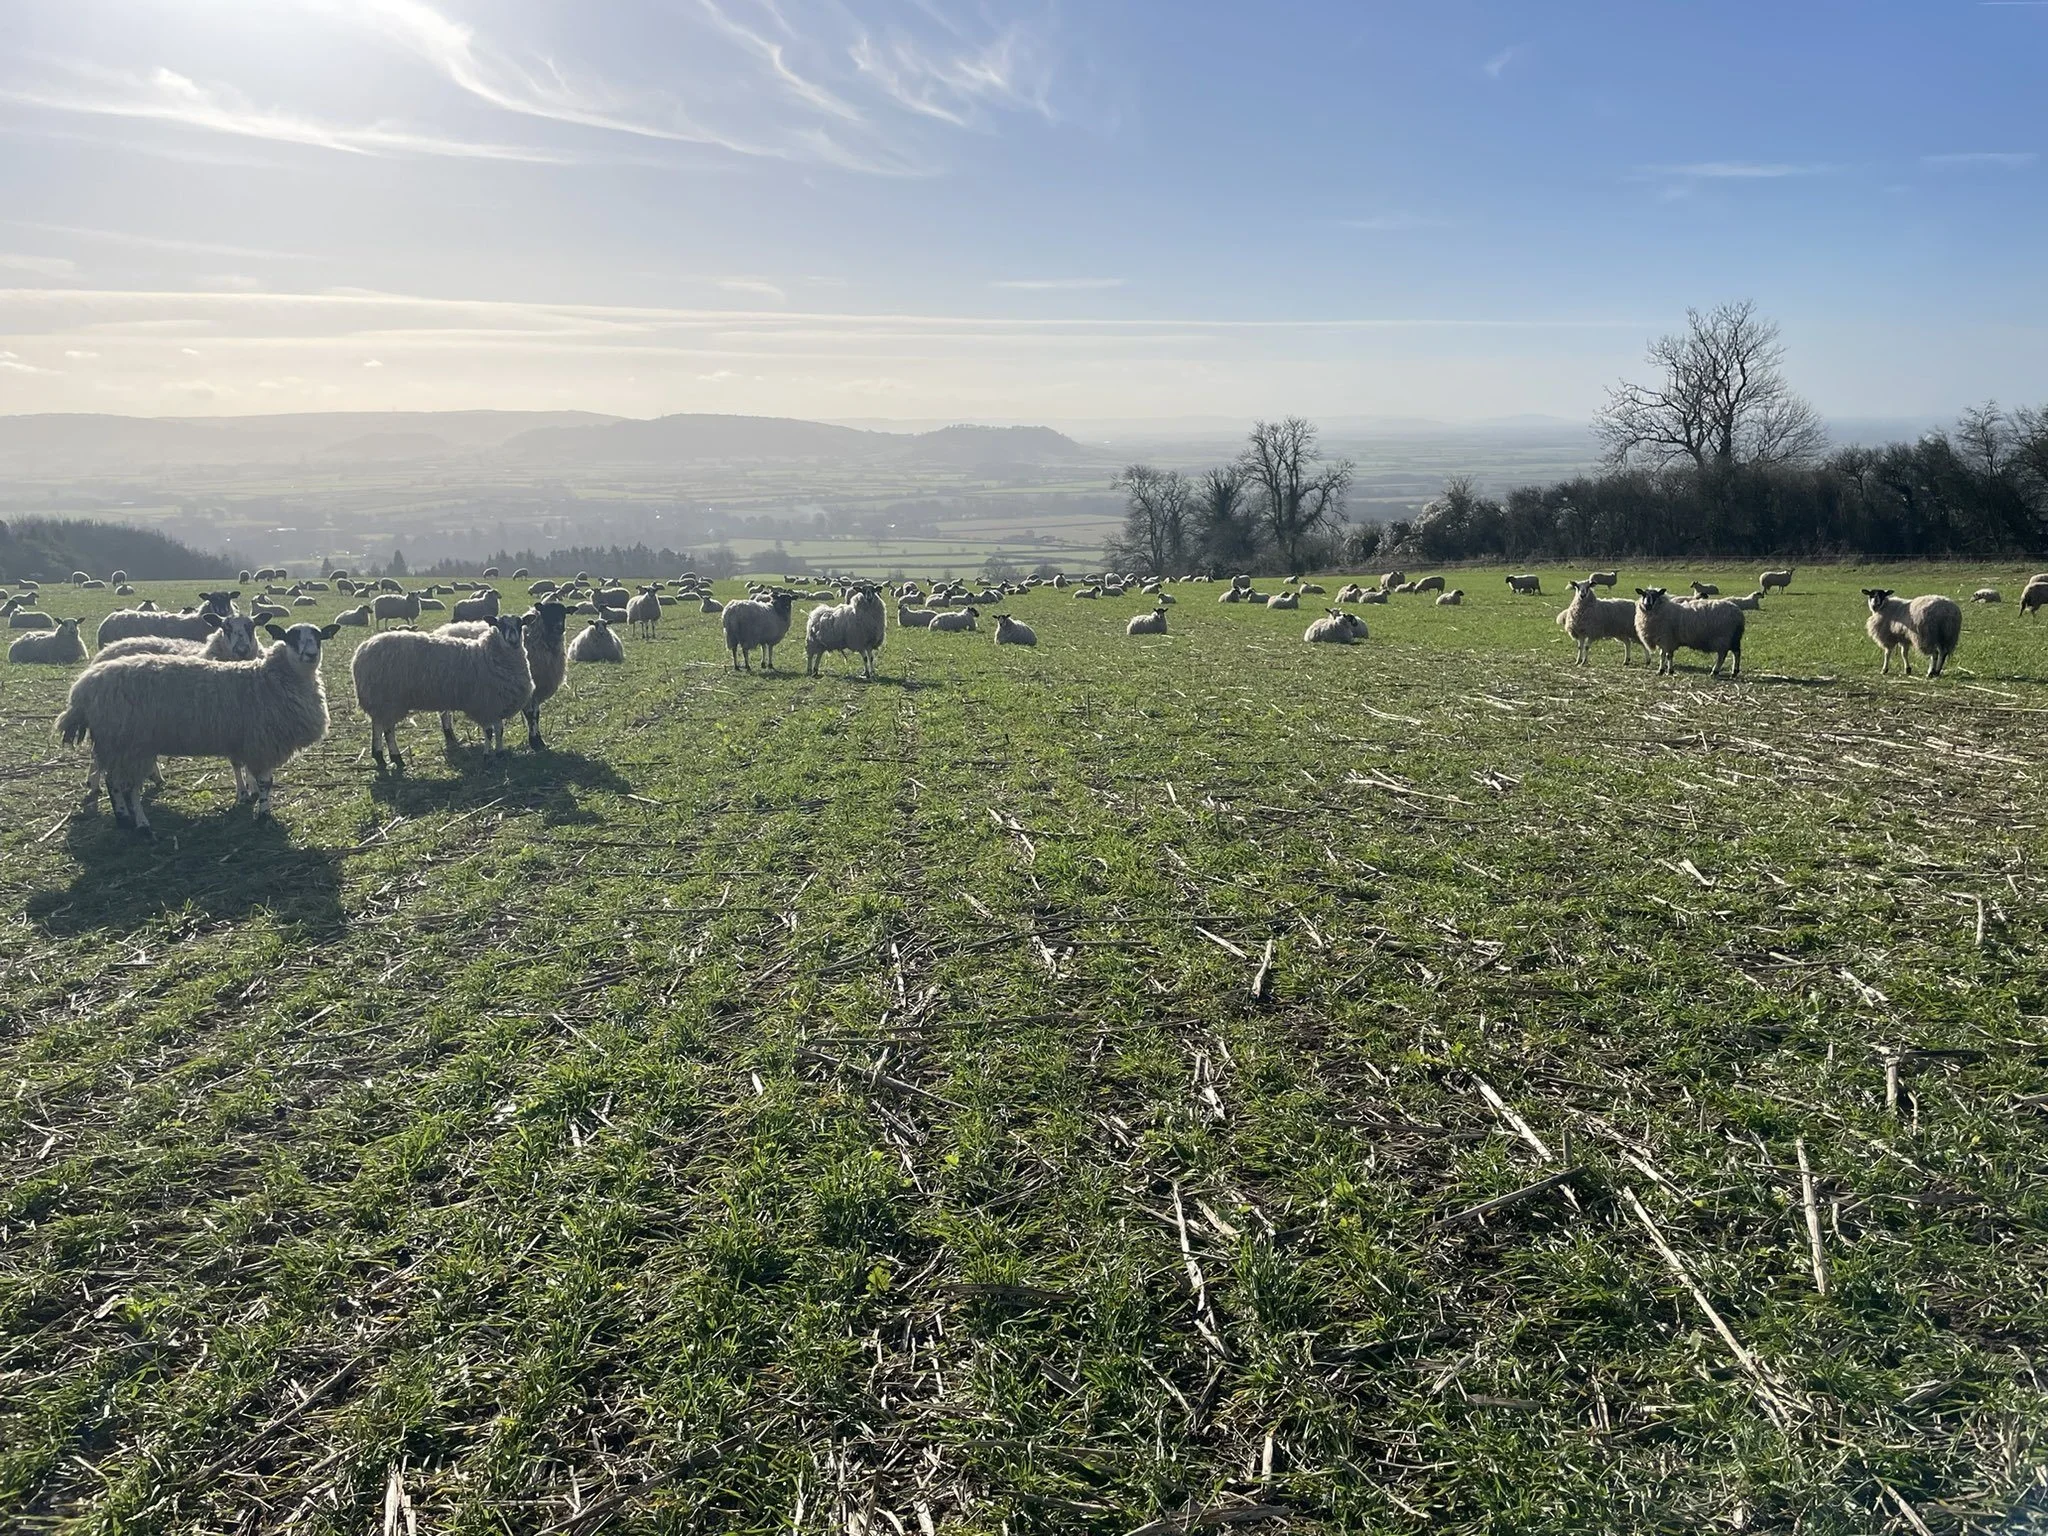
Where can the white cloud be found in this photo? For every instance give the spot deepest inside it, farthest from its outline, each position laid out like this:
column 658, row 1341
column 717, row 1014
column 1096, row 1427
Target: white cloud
column 373, row 362
column 2000, row 159
column 158, row 242
column 80, row 354
column 759, row 287
column 1500, row 61
column 38, row 266
column 1058, row 284
column 190, row 351
column 12, row 362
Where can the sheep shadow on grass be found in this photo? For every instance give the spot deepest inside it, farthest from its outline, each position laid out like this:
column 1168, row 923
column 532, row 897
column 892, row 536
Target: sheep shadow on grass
column 223, row 865
column 554, row 782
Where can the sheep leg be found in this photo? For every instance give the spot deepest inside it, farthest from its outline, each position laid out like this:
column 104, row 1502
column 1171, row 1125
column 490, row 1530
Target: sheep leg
column 533, row 741
column 448, row 730
column 139, row 818
column 91, row 802
column 262, row 788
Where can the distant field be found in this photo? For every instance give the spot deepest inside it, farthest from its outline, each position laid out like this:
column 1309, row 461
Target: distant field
column 803, row 1105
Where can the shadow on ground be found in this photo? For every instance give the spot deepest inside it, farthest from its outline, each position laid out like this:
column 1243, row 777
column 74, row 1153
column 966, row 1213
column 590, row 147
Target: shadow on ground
column 223, row 865
column 552, row 782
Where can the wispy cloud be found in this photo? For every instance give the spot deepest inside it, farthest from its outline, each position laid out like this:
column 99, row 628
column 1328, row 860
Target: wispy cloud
column 775, row 55
column 1495, row 66
column 157, row 242
column 12, row 362
column 38, row 266
column 1738, row 170
column 955, row 84
column 1058, row 284
column 1996, row 159
column 759, row 287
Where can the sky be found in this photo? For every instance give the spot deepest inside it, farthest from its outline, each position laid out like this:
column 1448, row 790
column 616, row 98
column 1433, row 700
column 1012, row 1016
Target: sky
column 1012, row 210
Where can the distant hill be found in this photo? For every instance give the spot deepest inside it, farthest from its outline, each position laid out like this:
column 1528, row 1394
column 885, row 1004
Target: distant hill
column 692, row 439
column 51, row 548
column 972, row 447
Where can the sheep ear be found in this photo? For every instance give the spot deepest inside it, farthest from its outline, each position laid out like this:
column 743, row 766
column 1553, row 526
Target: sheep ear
column 329, row 631
column 212, row 619
column 274, row 632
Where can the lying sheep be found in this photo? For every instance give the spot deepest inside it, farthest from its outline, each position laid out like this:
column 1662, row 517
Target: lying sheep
column 1351, row 592
column 598, row 642
column 29, row 618
column 1986, row 595
column 1230, row 595
column 55, row 647
column 953, row 623
column 909, row 616
column 357, row 618
column 481, row 604
column 1376, row 597
column 752, row 624
column 1154, row 623
column 1771, row 579
column 1705, row 589
column 1336, row 627
column 1587, row 618
column 233, row 639
column 859, row 625
column 1010, row 632
column 1283, row 600
column 710, row 604
column 256, row 715
column 1605, row 579
column 1666, row 626
column 1931, row 625
column 126, row 622
column 1752, row 603
column 1452, row 598
column 1525, row 584
column 1311, row 589
column 407, row 671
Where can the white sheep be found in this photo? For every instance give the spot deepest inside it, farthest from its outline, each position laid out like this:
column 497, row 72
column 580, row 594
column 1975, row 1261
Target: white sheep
column 1426, row 584
column 1526, row 584
column 598, row 642
column 29, row 618
column 233, row 639
column 1351, row 592
column 1588, row 618
column 1931, row 625
column 403, row 671
column 480, row 604
column 1771, row 579
column 909, row 616
column 644, row 612
column 1336, row 628
column 1705, row 589
column 1986, row 595
column 256, row 715
column 753, row 624
column 56, row 647
column 954, row 623
column 1283, row 600
column 1451, row 599
column 1605, row 579
column 1752, row 603
column 401, row 607
column 1010, row 632
column 126, row 622
column 2035, row 596
column 859, row 626
column 1665, row 625
column 357, row 618
column 1153, row 623
column 1392, row 579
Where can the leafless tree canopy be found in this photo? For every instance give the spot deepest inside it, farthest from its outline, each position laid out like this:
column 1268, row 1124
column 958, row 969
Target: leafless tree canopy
column 1298, row 493
column 1156, row 504
column 1723, row 400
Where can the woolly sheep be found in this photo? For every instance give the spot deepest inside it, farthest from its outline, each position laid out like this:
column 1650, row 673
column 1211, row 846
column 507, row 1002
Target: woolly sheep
column 1312, row 589
column 1154, row 623
column 643, row 612
column 953, row 623
column 400, row 606
column 1336, row 627
column 910, row 617
column 1986, row 595
column 1705, row 589
column 597, row 643
column 1525, row 584
column 1010, row 632
column 2035, row 596
column 1665, row 626
column 481, row 604
column 126, row 622
column 1376, row 597
column 233, row 639
column 1392, row 579
column 1771, row 579
column 124, row 590
column 1752, row 603
column 29, row 618
column 57, row 647
column 1351, row 592
column 859, row 626
column 710, row 604
column 358, row 618
column 1605, row 579
column 1427, row 584
column 404, row 671
column 1451, row 599
column 754, row 624
column 1230, row 595
column 117, row 576
column 432, row 605
column 1587, row 618
column 1931, row 625
column 265, row 613
column 1283, row 600
column 257, row 715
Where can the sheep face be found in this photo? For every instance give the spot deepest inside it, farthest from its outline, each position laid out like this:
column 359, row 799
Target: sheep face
column 1878, row 597
column 304, row 640
column 241, row 633
column 1650, row 599
column 550, row 619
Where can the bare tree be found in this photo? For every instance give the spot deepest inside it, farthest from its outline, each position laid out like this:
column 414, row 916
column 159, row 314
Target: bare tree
column 1723, row 400
column 1298, row 492
column 1224, row 526
column 1155, row 531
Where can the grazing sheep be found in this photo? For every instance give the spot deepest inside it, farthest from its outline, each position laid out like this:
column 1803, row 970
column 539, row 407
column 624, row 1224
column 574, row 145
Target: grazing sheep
column 2035, row 596
column 233, row 639
column 1986, row 595
column 1588, row 618
column 402, row 607
column 1283, row 600
column 644, row 612
column 752, row 624
column 1451, row 599
column 57, row 647
column 257, row 715
column 480, row 604
column 79, row 578
column 1771, row 579
column 1605, row 579
column 1336, row 628
column 1665, row 626
column 124, row 590
column 1154, row 623
column 1705, row 589
column 1010, row 632
column 1426, row 584
column 118, row 576
column 356, row 618
column 1931, row 625
column 597, row 643
column 483, row 676
column 126, row 622
column 1525, row 584
column 953, row 623
column 858, row 626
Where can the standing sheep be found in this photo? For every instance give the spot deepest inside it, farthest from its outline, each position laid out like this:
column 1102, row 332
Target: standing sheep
column 1154, row 623
column 1336, row 628
column 1605, row 579
column 859, row 625
column 1427, row 584
column 405, row 671
column 403, row 607
column 752, row 624
column 644, row 612
column 480, row 604
column 1588, row 618
column 1771, row 579
column 255, row 714
column 1010, row 632
column 1666, row 626
column 597, row 643
column 57, row 647
column 1931, row 625
column 1525, row 584
column 125, row 622
column 2035, row 596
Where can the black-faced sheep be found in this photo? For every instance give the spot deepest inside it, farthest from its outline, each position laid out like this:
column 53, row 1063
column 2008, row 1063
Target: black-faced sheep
column 858, row 626
column 1665, row 626
column 1931, row 625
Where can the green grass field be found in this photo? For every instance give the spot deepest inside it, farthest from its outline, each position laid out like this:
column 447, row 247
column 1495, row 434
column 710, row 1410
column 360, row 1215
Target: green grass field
column 811, row 1106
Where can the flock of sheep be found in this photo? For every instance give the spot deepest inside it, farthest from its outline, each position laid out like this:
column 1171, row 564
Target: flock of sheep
column 203, row 683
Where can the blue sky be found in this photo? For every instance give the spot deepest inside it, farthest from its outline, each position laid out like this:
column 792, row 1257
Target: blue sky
column 930, row 208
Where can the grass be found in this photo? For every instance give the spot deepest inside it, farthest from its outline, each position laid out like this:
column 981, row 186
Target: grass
column 801, row 1105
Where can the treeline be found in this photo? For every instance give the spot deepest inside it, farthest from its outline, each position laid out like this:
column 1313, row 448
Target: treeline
column 599, row 560
column 1979, row 489
column 50, row 549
